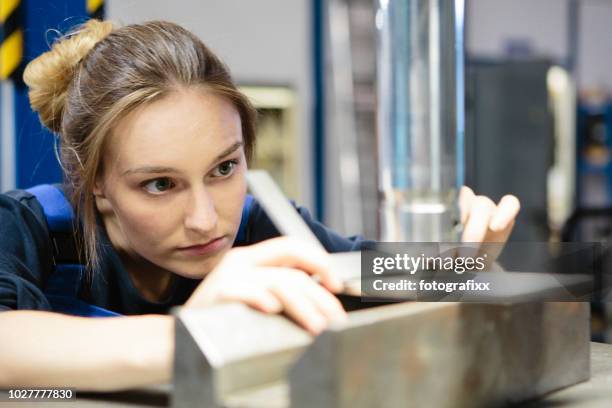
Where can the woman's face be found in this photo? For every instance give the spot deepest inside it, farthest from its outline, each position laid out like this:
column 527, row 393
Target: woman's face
column 173, row 182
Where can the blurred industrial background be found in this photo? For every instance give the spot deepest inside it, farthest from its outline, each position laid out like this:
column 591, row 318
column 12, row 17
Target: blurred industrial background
column 538, row 86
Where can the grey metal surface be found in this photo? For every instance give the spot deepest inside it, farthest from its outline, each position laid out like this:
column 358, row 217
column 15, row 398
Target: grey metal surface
column 408, row 354
column 420, row 118
column 343, row 136
column 7, row 136
column 596, row 393
column 230, row 348
column 278, row 207
column 445, row 355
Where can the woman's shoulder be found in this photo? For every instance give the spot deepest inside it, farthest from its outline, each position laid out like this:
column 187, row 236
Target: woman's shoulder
column 23, row 205
column 25, row 251
column 30, row 218
column 22, row 222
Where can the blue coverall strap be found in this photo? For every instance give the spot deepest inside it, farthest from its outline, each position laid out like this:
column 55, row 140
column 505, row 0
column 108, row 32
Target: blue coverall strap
column 56, row 207
column 63, row 285
column 76, row 307
column 65, row 280
column 62, row 289
column 244, row 220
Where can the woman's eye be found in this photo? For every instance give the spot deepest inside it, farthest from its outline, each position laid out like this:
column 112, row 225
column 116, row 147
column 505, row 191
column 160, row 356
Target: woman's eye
column 158, row 186
column 225, row 169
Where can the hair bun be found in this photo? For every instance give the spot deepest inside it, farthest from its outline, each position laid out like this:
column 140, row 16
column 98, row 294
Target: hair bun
column 49, row 75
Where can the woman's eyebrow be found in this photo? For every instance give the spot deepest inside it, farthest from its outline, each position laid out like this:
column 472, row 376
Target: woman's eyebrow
column 229, row 150
column 150, row 169
column 159, row 169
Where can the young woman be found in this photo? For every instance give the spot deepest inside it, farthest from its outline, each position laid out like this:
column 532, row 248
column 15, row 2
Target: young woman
column 155, row 139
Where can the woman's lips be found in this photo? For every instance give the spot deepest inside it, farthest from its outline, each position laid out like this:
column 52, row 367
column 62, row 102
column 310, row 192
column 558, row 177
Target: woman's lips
column 208, row 248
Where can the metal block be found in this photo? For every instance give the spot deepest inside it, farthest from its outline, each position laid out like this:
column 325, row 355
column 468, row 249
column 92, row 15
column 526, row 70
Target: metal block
column 405, row 354
column 229, row 348
column 445, row 355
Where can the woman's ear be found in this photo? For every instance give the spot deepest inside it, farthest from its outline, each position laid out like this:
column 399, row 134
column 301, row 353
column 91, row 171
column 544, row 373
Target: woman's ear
column 98, row 189
column 101, row 201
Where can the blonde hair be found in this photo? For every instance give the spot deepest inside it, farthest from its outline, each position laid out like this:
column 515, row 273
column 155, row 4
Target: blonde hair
column 96, row 75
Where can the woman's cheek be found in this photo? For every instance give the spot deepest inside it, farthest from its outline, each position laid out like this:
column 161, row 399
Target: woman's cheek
column 231, row 212
column 150, row 222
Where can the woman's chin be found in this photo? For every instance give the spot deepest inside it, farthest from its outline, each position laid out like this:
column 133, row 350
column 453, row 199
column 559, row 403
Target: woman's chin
column 196, row 269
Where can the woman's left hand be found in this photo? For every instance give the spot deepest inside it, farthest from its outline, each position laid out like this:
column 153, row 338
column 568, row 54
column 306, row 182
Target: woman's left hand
column 483, row 220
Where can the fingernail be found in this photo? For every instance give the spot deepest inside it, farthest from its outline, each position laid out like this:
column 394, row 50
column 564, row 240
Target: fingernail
column 496, row 225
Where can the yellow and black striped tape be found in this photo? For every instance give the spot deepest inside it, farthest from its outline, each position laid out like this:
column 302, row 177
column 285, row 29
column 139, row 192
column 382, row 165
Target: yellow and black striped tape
column 95, row 9
column 11, row 38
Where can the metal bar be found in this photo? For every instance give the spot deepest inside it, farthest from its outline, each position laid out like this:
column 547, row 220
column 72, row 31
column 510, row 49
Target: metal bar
column 285, row 218
column 444, row 355
column 318, row 60
column 406, row 354
column 420, row 123
column 343, row 134
column 228, row 348
column 7, row 136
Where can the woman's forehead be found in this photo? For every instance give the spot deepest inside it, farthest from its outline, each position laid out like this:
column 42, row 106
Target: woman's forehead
column 185, row 124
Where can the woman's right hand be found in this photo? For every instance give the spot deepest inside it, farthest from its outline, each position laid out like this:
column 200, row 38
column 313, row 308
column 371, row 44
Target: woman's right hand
column 276, row 276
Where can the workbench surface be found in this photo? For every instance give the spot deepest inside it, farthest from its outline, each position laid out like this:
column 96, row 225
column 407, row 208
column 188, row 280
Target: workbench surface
column 596, row 393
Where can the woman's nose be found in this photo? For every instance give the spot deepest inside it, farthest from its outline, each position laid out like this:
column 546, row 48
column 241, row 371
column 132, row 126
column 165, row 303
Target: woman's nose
column 201, row 214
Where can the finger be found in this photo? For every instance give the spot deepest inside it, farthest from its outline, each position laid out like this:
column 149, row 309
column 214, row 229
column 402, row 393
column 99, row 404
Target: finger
column 466, row 197
column 505, row 213
column 295, row 253
column 477, row 224
column 502, row 235
column 494, row 244
column 249, row 293
column 300, row 308
column 327, row 303
column 264, row 301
